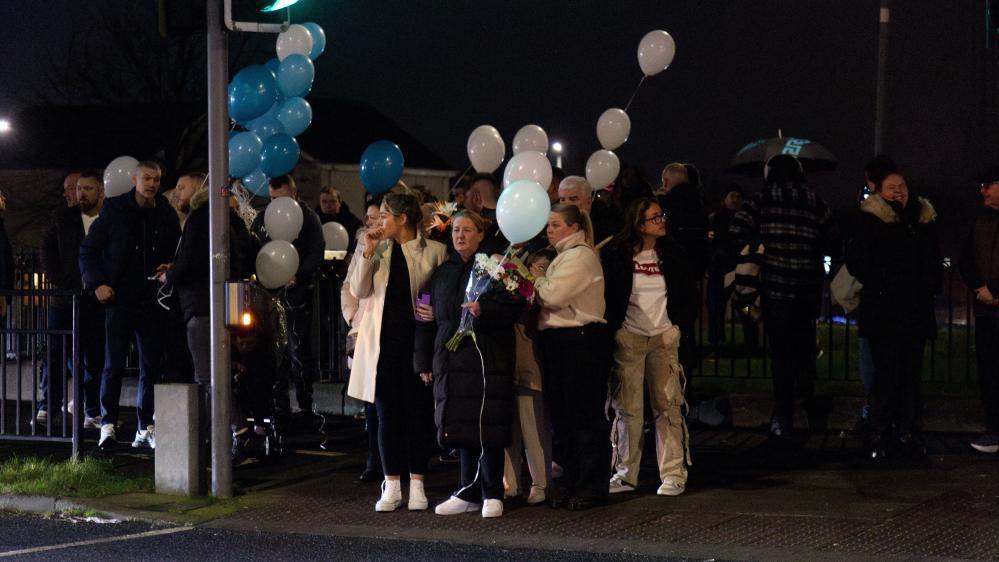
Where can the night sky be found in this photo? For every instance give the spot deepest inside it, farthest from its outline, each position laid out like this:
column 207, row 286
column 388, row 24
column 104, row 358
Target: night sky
column 743, row 70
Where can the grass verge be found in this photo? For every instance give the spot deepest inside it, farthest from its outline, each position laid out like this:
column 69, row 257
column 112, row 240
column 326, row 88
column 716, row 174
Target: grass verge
column 89, row 478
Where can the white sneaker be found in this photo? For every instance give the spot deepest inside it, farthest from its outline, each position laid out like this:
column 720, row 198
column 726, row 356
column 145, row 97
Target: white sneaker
column 92, row 423
column 145, row 439
column 670, row 488
column 108, row 437
column 536, row 496
column 456, row 506
column 42, row 417
column 492, row 508
column 617, row 485
column 391, row 496
column 417, row 497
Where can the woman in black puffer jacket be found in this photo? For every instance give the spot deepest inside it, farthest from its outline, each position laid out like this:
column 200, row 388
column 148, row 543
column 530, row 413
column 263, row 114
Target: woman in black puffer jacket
column 476, row 423
column 896, row 257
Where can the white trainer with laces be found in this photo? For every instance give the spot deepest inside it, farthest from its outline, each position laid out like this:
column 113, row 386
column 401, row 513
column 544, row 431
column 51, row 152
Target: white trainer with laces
column 417, row 497
column 92, row 423
column 618, row 486
column 492, row 508
column 108, row 437
column 456, row 506
column 391, row 496
column 670, row 488
column 145, row 439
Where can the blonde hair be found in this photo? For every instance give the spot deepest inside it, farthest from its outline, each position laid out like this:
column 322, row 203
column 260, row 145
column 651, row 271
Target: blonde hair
column 573, row 215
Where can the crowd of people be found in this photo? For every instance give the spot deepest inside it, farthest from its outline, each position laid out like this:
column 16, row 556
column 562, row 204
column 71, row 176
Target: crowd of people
column 563, row 377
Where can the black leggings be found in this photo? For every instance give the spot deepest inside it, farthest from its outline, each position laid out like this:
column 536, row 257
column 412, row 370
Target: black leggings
column 405, row 419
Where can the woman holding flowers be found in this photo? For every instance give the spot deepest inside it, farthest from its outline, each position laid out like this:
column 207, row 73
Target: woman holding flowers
column 575, row 346
column 476, row 300
column 396, row 263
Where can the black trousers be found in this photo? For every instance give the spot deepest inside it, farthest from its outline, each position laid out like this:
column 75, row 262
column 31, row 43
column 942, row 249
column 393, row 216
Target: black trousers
column 374, row 462
column 576, row 362
column 405, row 418
column 894, row 399
column 791, row 331
column 488, row 483
column 987, row 346
column 300, row 364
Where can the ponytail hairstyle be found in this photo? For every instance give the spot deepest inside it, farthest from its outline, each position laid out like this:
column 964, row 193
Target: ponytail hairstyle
column 572, row 215
column 404, row 203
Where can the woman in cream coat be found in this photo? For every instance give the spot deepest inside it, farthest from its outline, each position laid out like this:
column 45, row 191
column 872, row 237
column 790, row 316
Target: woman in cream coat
column 395, row 266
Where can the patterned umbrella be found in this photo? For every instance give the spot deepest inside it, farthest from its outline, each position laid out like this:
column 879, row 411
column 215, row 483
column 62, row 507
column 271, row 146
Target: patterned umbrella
column 813, row 156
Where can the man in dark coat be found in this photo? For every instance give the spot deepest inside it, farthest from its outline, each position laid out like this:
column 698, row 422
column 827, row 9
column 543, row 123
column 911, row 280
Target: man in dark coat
column 896, row 257
column 297, row 301
column 134, row 236
column 61, row 264
column 333, row 209
column 979, row 268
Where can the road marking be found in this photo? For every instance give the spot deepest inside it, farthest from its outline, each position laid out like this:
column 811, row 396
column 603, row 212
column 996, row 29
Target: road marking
column 146, row 534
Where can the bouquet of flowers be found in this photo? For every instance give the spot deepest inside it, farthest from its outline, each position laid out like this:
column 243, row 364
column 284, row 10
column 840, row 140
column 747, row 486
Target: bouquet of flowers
column 439, row 220
column 487, row 272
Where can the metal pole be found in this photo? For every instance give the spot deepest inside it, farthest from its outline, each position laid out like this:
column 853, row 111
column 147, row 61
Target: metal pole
column 879, row 111
column 218, row 176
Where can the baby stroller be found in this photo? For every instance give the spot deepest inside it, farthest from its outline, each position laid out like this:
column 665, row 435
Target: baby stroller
column 255, row 341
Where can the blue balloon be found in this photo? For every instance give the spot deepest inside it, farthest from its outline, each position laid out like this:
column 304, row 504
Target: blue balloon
column 381, row 166
column 232, row 134
column 256, row 183
column 279, row 156
column 244, row 154
column 295, row 114
column 251, row 93
column 273, row 65
column 318, row 39
column 266, row 126
column 294, row 78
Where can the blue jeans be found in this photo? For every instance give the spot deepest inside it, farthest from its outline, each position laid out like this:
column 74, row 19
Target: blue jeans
column 122, row 322
column 60, row 317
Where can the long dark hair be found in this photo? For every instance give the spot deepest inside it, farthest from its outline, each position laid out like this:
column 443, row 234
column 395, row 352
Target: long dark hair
column 630, row 238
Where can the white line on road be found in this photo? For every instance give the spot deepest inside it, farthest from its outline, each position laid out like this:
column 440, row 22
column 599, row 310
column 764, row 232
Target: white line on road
column 38, row 549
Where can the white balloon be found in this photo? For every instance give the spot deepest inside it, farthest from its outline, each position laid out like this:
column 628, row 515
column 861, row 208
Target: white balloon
column 655, row 52
column 118, row 176
column 283, row 219
column 528, row 165
column 602, row 168
column 613, row 128
column 277, row 263
column 530, row 138
column 335, row 236
column 296, row 39
column 486, row 149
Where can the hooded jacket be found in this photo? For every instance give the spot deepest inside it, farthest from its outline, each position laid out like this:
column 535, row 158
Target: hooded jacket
column 125, row 245
column 896, row 256
column 459, row 374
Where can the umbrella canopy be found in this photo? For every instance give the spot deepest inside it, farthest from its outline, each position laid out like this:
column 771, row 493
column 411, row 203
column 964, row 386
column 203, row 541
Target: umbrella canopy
column 813, row 156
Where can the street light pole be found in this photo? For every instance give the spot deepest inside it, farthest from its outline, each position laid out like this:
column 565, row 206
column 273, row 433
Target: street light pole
column 218, row 209
column 879, row 109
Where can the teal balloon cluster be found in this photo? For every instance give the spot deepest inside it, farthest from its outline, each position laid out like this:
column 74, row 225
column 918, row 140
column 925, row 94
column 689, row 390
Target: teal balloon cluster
column 267, row 103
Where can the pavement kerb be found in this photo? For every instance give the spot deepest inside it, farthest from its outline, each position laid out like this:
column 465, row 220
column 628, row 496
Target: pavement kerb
column 106, row 508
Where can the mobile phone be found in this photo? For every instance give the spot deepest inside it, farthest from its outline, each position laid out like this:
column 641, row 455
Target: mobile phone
column 424, row 299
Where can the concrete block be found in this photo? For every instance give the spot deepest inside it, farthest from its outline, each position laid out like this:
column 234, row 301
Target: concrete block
column 176, row 439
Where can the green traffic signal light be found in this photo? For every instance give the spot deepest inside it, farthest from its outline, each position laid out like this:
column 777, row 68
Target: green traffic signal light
column 274, row 5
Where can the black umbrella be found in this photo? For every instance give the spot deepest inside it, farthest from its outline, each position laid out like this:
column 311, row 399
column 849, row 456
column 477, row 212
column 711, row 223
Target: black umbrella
column 813, row 156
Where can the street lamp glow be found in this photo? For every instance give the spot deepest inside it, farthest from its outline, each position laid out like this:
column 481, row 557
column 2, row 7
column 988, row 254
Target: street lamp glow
column 557, row 147
column 5, row 126
column 275, row 6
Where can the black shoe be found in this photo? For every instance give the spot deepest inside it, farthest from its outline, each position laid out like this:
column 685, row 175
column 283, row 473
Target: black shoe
column 559, row 498
column 370, row 475
column 448, row 457
column 580, row 503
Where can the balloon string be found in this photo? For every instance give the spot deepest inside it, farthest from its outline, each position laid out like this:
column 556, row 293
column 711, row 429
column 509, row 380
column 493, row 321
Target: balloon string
column 635, row 93
column 461, row 177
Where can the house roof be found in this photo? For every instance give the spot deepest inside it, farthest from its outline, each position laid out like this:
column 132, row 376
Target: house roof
column 90, row 136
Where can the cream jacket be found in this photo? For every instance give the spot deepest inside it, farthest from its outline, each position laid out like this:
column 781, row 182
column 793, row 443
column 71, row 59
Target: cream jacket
column 368, row 280
column 572, row 290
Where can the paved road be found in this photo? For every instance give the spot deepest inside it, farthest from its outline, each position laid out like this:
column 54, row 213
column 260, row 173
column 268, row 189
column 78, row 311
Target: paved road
column 35, row 538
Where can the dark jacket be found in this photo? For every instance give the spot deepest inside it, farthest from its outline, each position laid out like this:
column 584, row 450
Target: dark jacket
column 723, row 247
column 311, row 247
column 189, row 274
column 797, row 230
column 896, row 257
column 979, row 265
column 346, row 220
column 618, row 263
column 688, row 225
column 458, row 375
column 6, row 260
column 61, row 249
column 606, row 221
column 125, row 245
